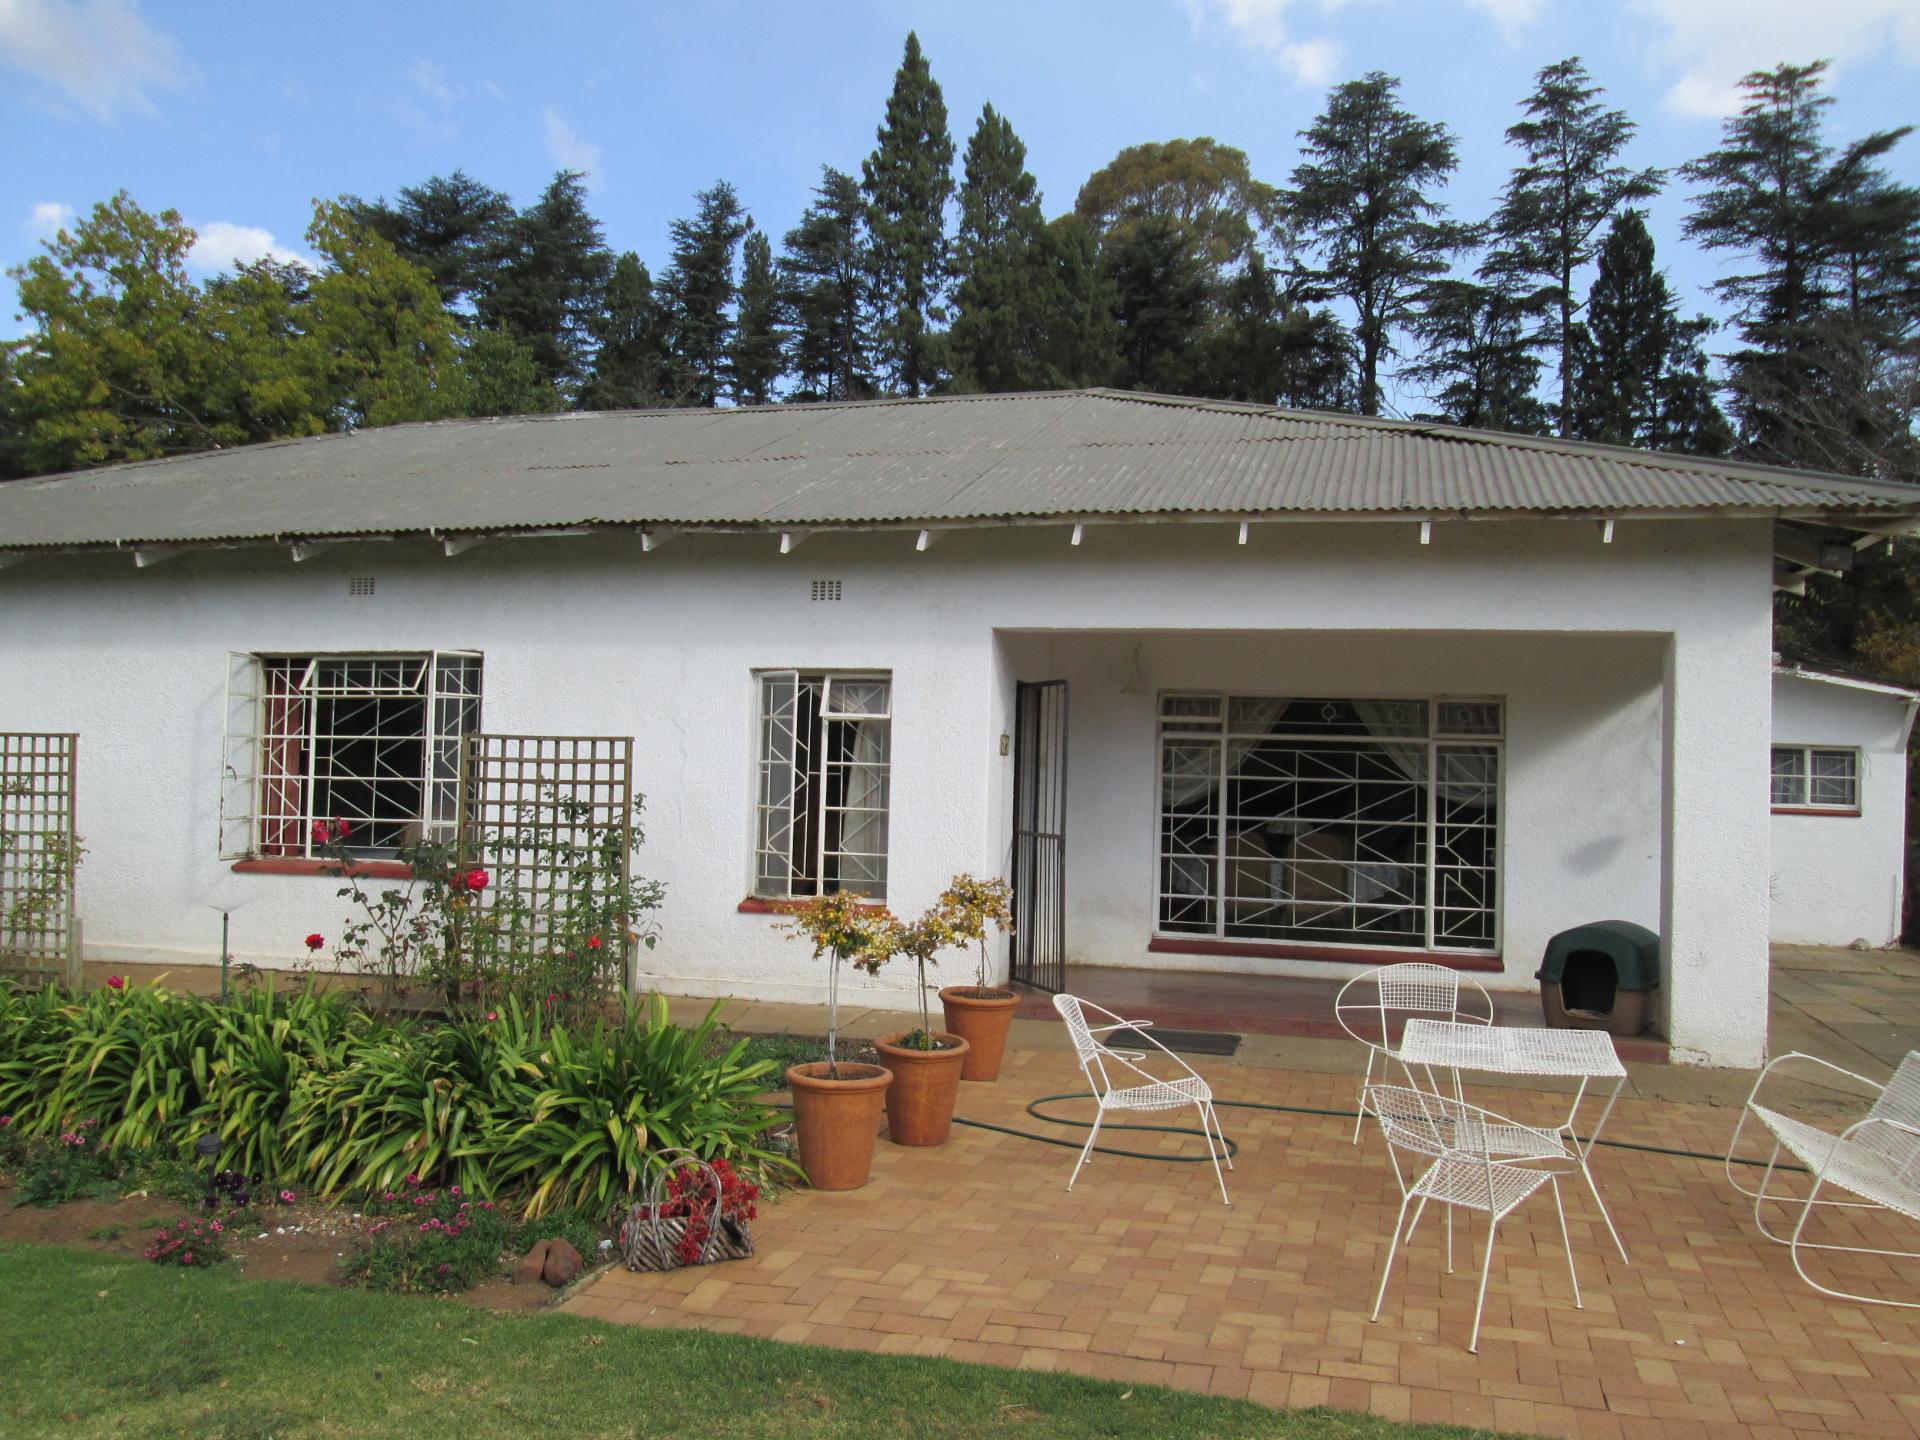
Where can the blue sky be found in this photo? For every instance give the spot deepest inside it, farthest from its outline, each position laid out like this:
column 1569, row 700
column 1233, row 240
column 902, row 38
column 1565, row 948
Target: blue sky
column 239, row 114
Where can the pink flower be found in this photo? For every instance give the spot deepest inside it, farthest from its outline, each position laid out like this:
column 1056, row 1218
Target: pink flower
column 316, row 940
column 287, row 1197
column 216, row 1227
column 116, row 982
column 5, row 1120
column 187, row 1259
column 493, row 1014
column 453, row 1189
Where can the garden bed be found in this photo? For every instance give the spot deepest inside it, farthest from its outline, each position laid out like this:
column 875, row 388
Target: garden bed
column 303, row 1242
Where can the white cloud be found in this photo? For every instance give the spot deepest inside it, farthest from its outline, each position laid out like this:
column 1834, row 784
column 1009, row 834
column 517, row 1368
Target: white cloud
column 48, row 219
column 1262, row 26
column 222, row 245
column 1512, row 16
column 98, row 54
column 432, row 82
column 1712, row 43
column 570, row 149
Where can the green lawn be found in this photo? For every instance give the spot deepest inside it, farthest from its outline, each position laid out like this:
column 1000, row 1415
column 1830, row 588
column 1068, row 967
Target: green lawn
column 98, row 1346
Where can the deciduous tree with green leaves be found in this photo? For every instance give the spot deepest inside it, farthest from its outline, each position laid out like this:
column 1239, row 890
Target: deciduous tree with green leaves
column 1568, row 185
column 907, row 182
column 1362, row 204
column 1205, row 189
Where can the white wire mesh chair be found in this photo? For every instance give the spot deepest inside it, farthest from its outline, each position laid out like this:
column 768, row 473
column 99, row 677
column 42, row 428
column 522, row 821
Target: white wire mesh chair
column 1877, row 1158
column 1479, row 1161
column 1126, row 1086
column 1369, row 1005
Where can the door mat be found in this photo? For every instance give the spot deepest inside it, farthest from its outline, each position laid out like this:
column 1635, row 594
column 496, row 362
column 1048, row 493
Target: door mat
column 1190, row 1042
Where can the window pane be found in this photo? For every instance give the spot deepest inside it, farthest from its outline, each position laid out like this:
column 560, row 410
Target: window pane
column 1467, row 717
column 825, row 759
column 1835, row 780
column 1191, row 712
column 1789, row 776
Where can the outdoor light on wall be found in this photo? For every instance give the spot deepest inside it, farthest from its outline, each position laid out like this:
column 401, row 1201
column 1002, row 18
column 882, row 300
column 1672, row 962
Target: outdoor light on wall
column 1006, row 743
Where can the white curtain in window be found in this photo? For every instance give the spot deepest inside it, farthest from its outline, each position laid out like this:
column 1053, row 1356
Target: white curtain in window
column 1192, row 770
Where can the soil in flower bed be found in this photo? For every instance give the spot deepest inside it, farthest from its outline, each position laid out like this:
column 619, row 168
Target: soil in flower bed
column 303, row 1242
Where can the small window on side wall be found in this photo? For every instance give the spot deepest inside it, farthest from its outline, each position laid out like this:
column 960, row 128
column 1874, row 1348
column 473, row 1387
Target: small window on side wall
column 1814, row 778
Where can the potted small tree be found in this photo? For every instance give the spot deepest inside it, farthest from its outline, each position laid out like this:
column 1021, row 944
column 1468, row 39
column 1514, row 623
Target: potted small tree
column 925, row 1063
column 836, row 1108
column 979, row 1013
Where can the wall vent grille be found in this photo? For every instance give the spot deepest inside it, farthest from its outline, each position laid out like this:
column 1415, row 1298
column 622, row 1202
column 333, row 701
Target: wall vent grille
column 826, row 589
column 360, row 585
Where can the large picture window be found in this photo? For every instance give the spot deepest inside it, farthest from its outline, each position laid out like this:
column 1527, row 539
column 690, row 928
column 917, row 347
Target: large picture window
column 1330, row 821
column 825, row 747
column 370, row 739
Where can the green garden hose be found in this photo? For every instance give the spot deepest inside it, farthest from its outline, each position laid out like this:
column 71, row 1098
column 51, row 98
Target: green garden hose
column 1233, row 1148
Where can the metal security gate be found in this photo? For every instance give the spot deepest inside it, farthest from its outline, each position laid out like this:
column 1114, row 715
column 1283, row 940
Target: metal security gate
column 1038, row 943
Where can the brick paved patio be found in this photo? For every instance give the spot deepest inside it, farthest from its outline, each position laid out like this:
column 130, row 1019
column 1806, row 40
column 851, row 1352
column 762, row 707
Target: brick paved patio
column 974, row 1251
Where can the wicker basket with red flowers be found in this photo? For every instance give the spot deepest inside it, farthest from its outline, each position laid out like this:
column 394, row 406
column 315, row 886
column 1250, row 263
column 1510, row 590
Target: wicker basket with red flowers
column 693, row 1212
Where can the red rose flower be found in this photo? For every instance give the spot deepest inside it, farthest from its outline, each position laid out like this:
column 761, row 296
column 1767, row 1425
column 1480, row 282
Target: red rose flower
column 316, row 940
column 341, row 829
column 594, row 942
column 476, row 879
column 321, row 834
column 116, row 982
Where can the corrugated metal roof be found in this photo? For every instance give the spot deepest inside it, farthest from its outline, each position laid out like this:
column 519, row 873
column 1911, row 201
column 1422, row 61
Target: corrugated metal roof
column 1081, row 454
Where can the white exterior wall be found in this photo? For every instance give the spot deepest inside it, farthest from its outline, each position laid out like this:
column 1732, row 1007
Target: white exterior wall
column 1839, row 878
column 588, row 636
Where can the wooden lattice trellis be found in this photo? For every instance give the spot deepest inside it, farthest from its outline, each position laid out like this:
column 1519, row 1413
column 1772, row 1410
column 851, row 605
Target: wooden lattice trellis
column 547, row 793
column 38, row 853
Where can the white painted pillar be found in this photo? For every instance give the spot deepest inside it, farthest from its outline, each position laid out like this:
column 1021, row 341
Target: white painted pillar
column 1714, row 905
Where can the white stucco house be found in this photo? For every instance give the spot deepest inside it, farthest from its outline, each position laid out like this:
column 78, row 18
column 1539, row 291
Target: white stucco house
column 1839, row 800
column 1223, row 687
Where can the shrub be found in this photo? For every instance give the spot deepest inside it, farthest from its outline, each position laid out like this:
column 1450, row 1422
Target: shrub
column 196, row 1242
column 67, row 1167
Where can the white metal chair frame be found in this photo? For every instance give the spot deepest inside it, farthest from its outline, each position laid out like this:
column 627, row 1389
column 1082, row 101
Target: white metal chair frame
column 1406, row 990
column 1480, row 1161
column 1155, row 1093
column 1876, row 1158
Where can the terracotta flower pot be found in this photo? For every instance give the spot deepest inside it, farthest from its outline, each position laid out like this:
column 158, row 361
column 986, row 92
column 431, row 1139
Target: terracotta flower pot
column 925, row 1084
column 982, row 1021
column 838, row 1121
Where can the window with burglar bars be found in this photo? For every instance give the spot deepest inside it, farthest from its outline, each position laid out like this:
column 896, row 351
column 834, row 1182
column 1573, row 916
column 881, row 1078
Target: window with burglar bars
column 825, row 747
column 1330, row 821
column 1813, row 777
column 370, row 739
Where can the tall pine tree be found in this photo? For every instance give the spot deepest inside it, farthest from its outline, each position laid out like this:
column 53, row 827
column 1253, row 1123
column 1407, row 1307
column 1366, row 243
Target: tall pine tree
column 824, row 278
column 1642, row 372
column 1476, row 364
column 698, row 292
column 1361, row 202
column 757, row 360
column 553, row 283
column 1828, row 294
column 630, row 360
column 455, row 228
column 1565, row 189
column 996, row 338
column 907, row 181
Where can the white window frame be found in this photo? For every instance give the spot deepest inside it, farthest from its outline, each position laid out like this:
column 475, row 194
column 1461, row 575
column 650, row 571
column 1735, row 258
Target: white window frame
column 261, row 792
column 1808, row 778
column 1438, row 740
column 782, row 789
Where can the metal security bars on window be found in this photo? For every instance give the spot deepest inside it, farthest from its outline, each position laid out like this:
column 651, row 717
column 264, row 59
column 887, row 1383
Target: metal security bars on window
column 825, row 744
column 1813, row 778
column 38, row 852
column 371, row 739
column 1330, row 821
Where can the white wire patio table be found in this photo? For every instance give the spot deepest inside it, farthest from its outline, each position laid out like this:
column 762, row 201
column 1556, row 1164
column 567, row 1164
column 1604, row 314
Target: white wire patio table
column 1585, row 1055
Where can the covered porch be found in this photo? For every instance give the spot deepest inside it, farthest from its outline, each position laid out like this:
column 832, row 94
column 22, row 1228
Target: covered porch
column 1221, row 826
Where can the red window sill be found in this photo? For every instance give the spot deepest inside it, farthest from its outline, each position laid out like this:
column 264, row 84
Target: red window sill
column 1339, row 954
column 761, row 905
column 1822, row 811
column 359, row 869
